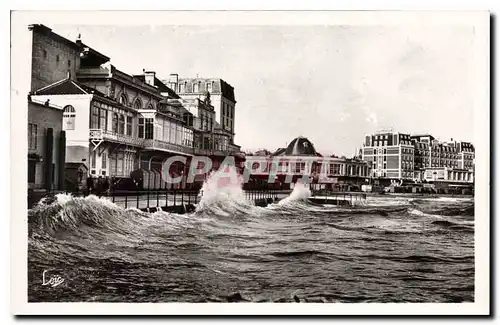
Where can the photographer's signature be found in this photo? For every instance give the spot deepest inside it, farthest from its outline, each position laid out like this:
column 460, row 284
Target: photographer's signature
column 53, row 281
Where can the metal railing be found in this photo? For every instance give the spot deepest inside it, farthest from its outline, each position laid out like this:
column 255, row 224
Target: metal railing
column 122, row 138
column 161, row 145
column 147, row 199
column 263, row 194
column 100, row 134
column 334, row 196
column 154, row 199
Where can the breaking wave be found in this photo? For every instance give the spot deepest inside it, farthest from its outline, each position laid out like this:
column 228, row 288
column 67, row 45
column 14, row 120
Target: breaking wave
column 230, row 250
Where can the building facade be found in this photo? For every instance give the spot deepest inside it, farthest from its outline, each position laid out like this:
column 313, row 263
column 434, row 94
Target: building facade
column 52, row 57
column 222, row 99
column 300, row 160
column 447, row 174
column 391, row 154
column 46, row 146
column 118, row 124
column 414, row 157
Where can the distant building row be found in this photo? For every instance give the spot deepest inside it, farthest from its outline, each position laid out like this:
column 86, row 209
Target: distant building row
column 402, row 156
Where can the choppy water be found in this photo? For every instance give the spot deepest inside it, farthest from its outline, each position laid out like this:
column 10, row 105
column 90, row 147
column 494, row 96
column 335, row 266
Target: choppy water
column 389, row 249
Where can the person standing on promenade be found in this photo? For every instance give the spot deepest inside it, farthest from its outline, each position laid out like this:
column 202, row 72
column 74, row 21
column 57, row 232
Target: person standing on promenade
column 90, row 185
column 105, row 185
column 98, row 186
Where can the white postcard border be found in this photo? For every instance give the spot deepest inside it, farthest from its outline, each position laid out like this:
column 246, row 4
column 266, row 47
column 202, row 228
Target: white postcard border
column 21, row 65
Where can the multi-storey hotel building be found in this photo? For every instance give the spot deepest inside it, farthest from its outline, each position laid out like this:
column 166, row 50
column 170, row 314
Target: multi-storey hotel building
column 418, row 157
column 390, row 153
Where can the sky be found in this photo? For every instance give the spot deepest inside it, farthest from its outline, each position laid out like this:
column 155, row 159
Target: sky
column 331, row 84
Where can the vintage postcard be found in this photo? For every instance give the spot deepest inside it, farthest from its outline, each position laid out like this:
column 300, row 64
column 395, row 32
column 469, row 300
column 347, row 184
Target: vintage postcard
column 257, row 163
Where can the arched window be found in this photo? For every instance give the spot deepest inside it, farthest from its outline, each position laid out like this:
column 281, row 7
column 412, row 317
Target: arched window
column 69, row 118
column 138, row 104
column 123, row 100
column 151, row 107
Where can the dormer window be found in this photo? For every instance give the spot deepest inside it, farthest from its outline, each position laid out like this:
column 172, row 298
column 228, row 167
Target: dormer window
column 137, row 104
column 123, row 100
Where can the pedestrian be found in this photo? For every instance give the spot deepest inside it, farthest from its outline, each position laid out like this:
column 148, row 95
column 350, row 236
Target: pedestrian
column 90, row 185
column 105, row 185
column 98, row 187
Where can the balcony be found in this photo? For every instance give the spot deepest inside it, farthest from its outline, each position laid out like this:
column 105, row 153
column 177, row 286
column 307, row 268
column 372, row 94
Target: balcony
column 151, row 144
column 210, row 152
column 106, row 135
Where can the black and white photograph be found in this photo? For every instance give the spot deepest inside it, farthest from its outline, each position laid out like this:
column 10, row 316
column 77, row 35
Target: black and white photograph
column 272, row 160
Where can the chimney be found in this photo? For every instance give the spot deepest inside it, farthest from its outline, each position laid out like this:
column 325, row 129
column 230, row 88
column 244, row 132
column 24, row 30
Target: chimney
column 173, row 81
column 149, row 77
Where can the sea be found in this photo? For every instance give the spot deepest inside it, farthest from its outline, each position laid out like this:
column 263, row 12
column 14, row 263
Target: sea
column 387, row 248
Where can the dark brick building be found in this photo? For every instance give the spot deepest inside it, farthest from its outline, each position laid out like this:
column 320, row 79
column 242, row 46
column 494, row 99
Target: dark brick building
column 52, row 57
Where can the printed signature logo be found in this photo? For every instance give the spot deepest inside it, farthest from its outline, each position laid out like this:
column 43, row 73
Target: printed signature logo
column 51, row 280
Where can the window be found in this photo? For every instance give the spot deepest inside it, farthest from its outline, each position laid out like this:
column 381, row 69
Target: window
column 32, row 135
column 68, row 118
column 112, row 164
column 57, row 59
column 129, row 125
column 115, row 123
column 103, row 160
column 182, row 87
column 103, row 119
column 140, row 128
column 138, row 104
column 94, row 117
column 93, row 159
column 123, row 100
column 300, row 167
column 148, row 128
column 44, row 54
column 69, row 63
column 196, row 87
column 209, row 86
column 119, row 163
column 172, row 133
column 121, row 125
